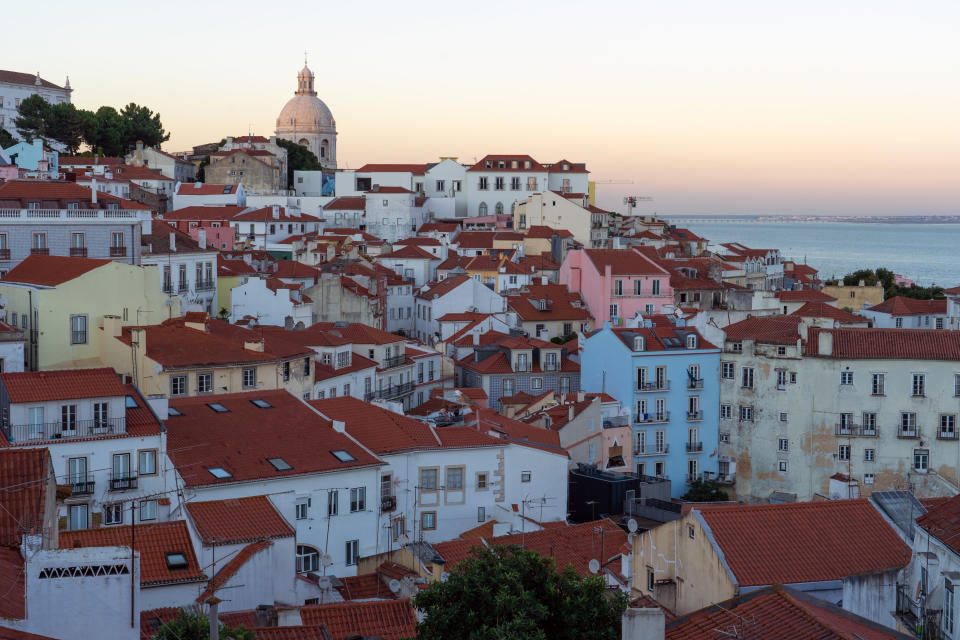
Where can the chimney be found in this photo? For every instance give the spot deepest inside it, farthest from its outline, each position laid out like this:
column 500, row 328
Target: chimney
column 140, row 146
column 824, row 343
column 112, row 326
column 275, row 209
column 214, row 614
column 93, row 190
column 642, row 624
column 202, row 238
column 229, row 141
column 173, row 242
column 570, row 414
column 476, row 339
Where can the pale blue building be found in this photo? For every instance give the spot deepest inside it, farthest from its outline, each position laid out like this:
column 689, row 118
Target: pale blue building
column 669, row 377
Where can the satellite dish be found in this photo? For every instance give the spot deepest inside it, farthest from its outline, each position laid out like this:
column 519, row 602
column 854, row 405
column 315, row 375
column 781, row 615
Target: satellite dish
column 326, row 560
column 444, row 576
column 632, row 525
column 158, row 368
column 324, row 582
column 594, row 566
column 394, row 585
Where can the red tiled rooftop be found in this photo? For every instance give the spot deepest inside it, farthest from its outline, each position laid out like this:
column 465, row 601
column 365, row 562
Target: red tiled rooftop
column 942, row 521
column 561, row 303
column 205, row 189
column 408, row 252
column 302, row 632
column 507, row 159
column 45, row 190
column 22, row 493
column 623, row 262
column 51, row 271
column 153, row 541
column 887, row 344
column 380, row 430
column 573, row 545
column 804, row 295
column 366, row 586
column 238, row 520
column 803, row 541
column 62, row 384
column 199, row 212
column 442, row 288
column 767, row 330
column 824, row 310
column 346, row 203
column 386, row 619
column 903, row 306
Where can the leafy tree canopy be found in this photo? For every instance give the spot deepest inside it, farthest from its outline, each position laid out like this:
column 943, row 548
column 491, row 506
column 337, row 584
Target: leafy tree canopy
column 188, row 626
column 299, row 158
column 503, row 593
column 701, row 491
column 886, row 277
column 6, row 139
column 564, row 339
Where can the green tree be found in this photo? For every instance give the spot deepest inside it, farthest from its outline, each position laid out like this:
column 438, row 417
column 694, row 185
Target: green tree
column 33, row 117
column 503, row 593
column 299, row 158
column 6, row 139
column 701, row 491
column 106, row 132
column 188, row 626
column 142, row 124
column 67, row 125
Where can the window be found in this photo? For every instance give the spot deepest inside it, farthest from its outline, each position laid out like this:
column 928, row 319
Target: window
column 781, row 351
column 77, row 516
column 956, row 384
column 746, row 377
column 333, row 502
column 793, row 378
column 525, row 476
column 726, row 370
column 428, row 479
column 908, row 424
column 618, row 287
column 508, row 387
column 650, row 580
column 78, row 329
column 846, row 378
column 781, row 380
column 736, row 347
column 39, row 239
column 286, row 371
column 536, row 383
column 352, row 552
column 308, row 559
column 726, row 411
column 358, row 499
column 614, row 311
column 948, row 602
column 113, row 513
column 481, row 514
column 178, row 385
column 939, row 324
column 655, row 287
column 919, row 386
column 147, row 462
column 782, row 465
column 746, row 414
column 877, row 384
column 219, row 472
column 921, row 460
column 898, row 323
column 948, row 426
column 869, row 455
column 724, row 436
column 249, row 377
column 302, row 508
column 869, row 423
column 279, row 464
column 148, row 510
column 482, row 481
column 783, row 444
column 564, row 384
column 844, row 452
column 454, row 479
column 204, row 383
column 428, row 520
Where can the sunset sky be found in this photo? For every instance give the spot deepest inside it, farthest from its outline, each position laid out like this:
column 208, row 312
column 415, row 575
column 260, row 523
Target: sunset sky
column 751, row 107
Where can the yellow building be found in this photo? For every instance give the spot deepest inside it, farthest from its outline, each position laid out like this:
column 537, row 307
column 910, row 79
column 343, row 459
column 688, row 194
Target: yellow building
column 853, row 298
column 197, row 355
column 60, row 304
column 230, row 274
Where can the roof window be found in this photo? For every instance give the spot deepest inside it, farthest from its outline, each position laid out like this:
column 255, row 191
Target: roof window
column 176, row 560
column 638, row 343
column 279, row 464
column 261, row 403
column 219, row 408
column 343, row 456
column 219, row 472
column 226, row 189
column 171, row 411
column 130, row 403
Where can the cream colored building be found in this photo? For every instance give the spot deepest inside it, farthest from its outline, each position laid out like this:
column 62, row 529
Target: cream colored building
column 853, row 298
column 587, row 223
column 306, row 120
column 61, row 303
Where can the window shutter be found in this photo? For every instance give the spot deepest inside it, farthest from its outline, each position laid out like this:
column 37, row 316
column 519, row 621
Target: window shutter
column 97, row 519
column 62, row 523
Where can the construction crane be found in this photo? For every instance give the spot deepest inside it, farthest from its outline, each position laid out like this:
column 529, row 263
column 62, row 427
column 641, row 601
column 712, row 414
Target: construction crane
column 631, row 202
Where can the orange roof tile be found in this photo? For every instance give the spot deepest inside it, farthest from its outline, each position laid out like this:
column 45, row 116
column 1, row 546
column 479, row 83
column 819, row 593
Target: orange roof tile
column 200, row 212
column 574, row 545
column 205, row 189
column 153, row 542
column 381, row 430
column 824, row 310
column 387, row 619
column 22, row 493
column 887, row 344
column 623, row 262
column 302, row 632
column 507, row 160
column 238, row 520
column 50, row 271
column 26, row 190
column 364, row 587
column 62, row 384
column 943, row 522
column 804, row 295
column 441, row 288
column 903, row 306
column 346, row 203
column 561, row 303
column 766, row 330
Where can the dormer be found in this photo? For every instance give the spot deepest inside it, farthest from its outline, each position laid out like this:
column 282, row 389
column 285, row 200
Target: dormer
column 639, row 343
column 691, row 341
column 521, row 360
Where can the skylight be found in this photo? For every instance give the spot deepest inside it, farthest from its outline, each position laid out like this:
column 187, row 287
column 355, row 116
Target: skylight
column 279, row 464
column 219, row 408
column 219, row 472
column 131, row 403
column 263, row 404
column 176, row 560
column 173, row 412
column 343, row 456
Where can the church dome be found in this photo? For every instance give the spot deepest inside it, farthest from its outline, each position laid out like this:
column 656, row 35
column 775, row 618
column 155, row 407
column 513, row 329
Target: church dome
column 305, row 113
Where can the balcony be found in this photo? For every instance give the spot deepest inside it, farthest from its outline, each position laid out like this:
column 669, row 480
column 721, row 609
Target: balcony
column 39, row 251
column 908, row 432
column 662, row 450
column 183, row 288
column 388, row 503
column 945, row 434
column 57, row 430
column 694, row 384
column 388, row 393
column 81, row 486
column 393, row 361
column 206, row 285
column 695, row 416
column 4, row 254
column 694, row 447
column 693, row 477
column 78, row 252
column 72, row 215
column 653, row 418
column 914, row 614
column 651, row 387
column 123, row 481
column 118, row 252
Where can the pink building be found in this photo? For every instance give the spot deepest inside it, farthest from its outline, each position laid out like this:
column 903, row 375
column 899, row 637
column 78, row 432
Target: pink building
column 617, row 283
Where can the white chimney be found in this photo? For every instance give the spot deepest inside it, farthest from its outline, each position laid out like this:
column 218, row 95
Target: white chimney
column 93, row 191
column 643, row 624
column 276, row 211
column 825, row 343
column 202, row 238
column 173, row 241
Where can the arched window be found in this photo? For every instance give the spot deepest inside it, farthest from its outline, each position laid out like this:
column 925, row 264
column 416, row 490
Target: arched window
column 304, row 142
column 323, row 148
column 499, row 209
column 308, row 558
column 483, row 209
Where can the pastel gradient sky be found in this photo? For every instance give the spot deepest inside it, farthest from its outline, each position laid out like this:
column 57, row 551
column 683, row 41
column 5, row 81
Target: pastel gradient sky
column 739, row 106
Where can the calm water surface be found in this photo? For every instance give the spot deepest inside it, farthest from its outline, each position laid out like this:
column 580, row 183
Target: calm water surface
column 926, row 253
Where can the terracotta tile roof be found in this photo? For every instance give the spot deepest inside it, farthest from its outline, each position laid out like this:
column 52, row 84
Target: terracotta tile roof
column 323, row 372
column 942, row 521
column 153, row 619
column 442, row 288
column 302, row 632
column 803, row 541
column 623, row 262
column 366, row 586
column 408, row 252
column 394, row 190
column 573, row 546
column 251, row 139
column 804, row 295
column 455, row 551
column 51, row 271
column 500, row 363
column 355, row 333
column 565, row 166
column 766, row 330
column 228, row 570
column 474, row 393
column 158, row 242
column 647, row 602
column 507, row 159
column 346, row 203
column 517, row 432
column 62, row 384
column 543, row 231
column 542, row 262
column 238, row 520
column 562, row 304
column 777, row 613
column 292, row 269
column 824, row 310
column 265, row 214
column 415, row 169
column 220, row 213
column 464, row 438
column 13, row 604
column 14, row 634
column 662, row 336
column 17, row 77
column 463, row 316
column 69, row 161
column 888, row 344
column 242, row 440
column 227, row 267
column 25, row 190
column 128, row 172
column 22, row 493
column 387, row 619
column 141, row 421
column 153, row 542
column 439, row 227
column 380, row 430
column 244, row 151
column 205, row 189
column 418, row 242
column 902, row 306
column 475, row 239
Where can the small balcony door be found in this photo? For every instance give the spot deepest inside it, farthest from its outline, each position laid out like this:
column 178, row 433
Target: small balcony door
column 68, row 419
column 121, row 470
column 35, row 415
column 77, row 471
